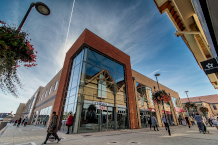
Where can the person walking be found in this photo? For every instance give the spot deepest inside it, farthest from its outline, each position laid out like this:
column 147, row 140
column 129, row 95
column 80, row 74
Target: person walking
column 23, row 121
column 15, row 122
column 154, row 122
column 165, row 122
column 52, row 130
column 149, row 122
column 69, row 122
column 187, row 121
column 192, row 120
column 18, row 123
column 199, row 121
column 215, row 123
column 180, row 120
column 26, row 120
column 210, row 121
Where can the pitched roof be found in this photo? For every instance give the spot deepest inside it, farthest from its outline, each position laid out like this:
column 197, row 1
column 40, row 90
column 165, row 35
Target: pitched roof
column 208, row 99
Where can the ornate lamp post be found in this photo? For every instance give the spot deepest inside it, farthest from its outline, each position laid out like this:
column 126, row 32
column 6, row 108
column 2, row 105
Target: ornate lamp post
column 40, row 7
column 168, row 125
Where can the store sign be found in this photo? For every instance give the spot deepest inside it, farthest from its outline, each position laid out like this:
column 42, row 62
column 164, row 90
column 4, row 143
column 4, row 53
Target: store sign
column 152, row 109
column 101, row 107
column 210, row 66
column 100, row 103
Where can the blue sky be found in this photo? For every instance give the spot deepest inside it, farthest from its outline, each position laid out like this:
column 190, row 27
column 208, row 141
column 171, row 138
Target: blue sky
column 134, row 26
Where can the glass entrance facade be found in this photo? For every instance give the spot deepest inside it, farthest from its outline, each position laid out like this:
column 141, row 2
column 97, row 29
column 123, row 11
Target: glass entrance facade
column 95, row 94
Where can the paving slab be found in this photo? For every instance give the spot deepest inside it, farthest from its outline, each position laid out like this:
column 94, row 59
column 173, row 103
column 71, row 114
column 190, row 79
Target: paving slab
column 33, row 135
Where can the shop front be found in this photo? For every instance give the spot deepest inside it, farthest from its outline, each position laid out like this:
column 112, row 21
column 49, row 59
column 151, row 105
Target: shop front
column 96, row 94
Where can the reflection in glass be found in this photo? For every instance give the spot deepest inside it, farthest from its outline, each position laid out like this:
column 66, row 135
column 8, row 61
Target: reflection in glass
column 97, row 94
column 108, row 64
column 94, row 58
column 119, row 69
column 75, row 76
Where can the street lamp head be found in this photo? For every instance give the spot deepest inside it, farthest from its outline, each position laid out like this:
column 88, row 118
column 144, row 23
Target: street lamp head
column 186, row 91
column 156, row 75
column 42, row 8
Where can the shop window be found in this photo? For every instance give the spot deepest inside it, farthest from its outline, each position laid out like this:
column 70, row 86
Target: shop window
column 214, row 107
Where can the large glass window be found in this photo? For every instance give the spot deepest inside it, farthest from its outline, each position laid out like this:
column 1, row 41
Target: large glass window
column 96, row 94
column 44, row 116
column 145, row 103
column 94, row 58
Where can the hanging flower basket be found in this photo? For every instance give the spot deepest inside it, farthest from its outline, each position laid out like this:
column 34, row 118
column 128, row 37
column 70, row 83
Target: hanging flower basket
column 15, row 50
column 204, row 110
column 190, row 105
column 160, row 96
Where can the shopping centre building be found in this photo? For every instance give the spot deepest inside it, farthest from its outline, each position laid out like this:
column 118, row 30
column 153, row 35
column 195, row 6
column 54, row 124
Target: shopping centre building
column 99, row 88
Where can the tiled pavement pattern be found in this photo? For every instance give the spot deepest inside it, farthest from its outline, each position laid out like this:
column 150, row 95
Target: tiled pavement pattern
column 31, row 135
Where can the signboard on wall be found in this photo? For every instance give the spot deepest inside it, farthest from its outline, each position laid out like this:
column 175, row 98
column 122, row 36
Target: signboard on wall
column 210, row 66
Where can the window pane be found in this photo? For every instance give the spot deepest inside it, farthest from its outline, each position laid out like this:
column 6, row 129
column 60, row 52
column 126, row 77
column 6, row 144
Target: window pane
column 50, row 90
column 119, row 82
column 72, row 92
column 75, row 76
column 71, row 100
column 71, row 79
column 119, row 69
column 83, row 70
column 94, row 58
column 92, row 75
column 108, row 64
column 85, row 54
column 79, row 57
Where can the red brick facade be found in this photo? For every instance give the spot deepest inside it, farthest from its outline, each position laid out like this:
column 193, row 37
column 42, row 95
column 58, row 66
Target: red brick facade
column 101, row 45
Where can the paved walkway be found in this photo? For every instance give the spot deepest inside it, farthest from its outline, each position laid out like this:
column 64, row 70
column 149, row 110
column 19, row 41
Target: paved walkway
column 32, row 135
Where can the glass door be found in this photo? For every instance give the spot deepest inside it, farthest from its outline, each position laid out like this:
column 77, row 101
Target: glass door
column 108, row 121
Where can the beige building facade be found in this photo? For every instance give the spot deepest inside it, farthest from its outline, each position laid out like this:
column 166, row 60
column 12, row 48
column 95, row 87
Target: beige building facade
column 144, row 87
column 208, row 101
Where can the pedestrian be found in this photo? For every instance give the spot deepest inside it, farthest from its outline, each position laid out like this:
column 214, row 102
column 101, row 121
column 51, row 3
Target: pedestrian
column 180, row 120
column 213, row 119
column 26, row 120
column 15, row 122
column 210, row 121
column 165, row 122
column 192, row 120
column 18, row 123
column 199, row 121
column 154, row 122
column 187, row 121
column 23, row 121
column 215, row 122
column 69, row 122
column 149, row 122
column 52, row 130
